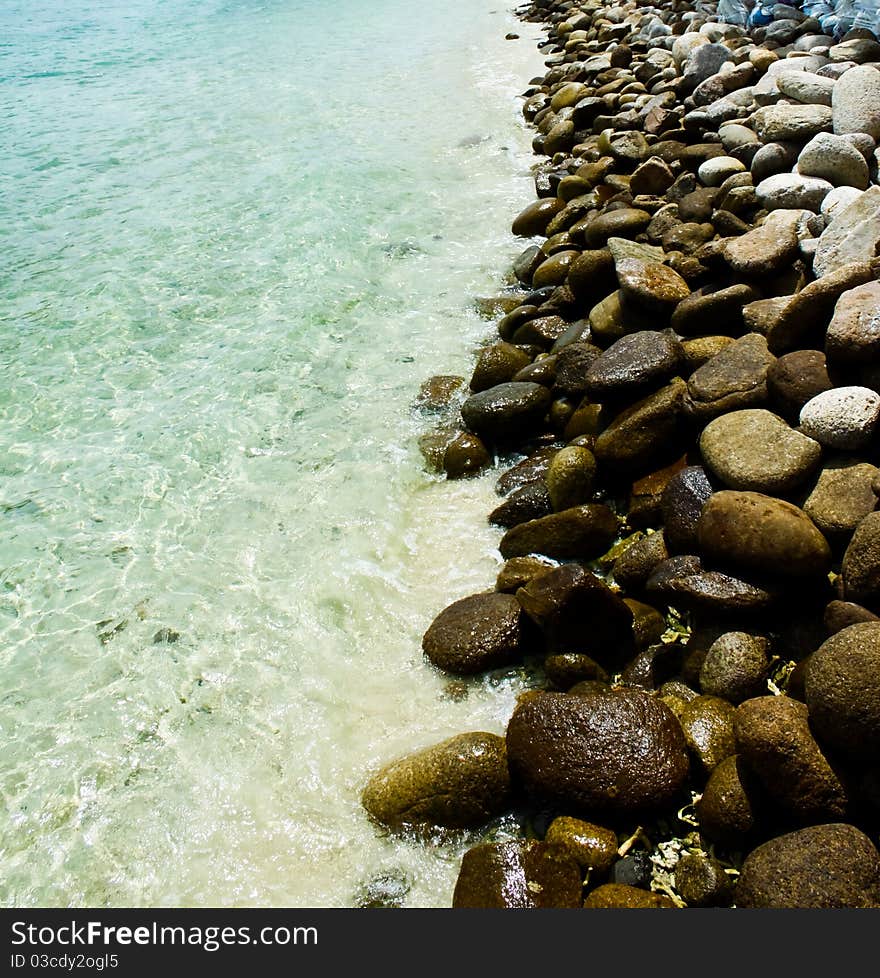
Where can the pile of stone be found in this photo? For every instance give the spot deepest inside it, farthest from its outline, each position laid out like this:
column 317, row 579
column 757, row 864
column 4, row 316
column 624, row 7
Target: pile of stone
column 688, row 377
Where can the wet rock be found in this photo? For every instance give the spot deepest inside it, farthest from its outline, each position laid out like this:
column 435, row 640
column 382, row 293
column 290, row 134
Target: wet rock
column 855, row 102
column 528, row 470
column 764, row 251
column 646, row 494
column 437, row 393
column 648, row 624
column 701, row 881
column 842, row 690
column 634, row 869
column 650, row 284
column 591, row 276
column 835, row 159
column 773, row 736
column 530, row 502
column 591, row 846
column 683, row 583
column 792, row 191
column 572, row 364
column 618, row 751
column 844, row 418
column 736, row 378
column 736, row 667
column 682, row 502
column 534, row 219
column 619, row 896
column 633, row 364
column 517, row 875
column 582, row 531
column 732, row 806
column 852, row 236
column 506, row 411
column 497, row 364
column 756, row 450
column 459, row 783
column 519, row 571
column 540, row 331
column 761, row 535
column 796, row 378
column 853, row 336
column 554, row 270
column 465, row 455
column 478, row 632
column 645, row 433
column 861, row 564
column 701, row 349
column 567, row 669
column 638, row 562
column 625, row 222
column 570, row 477
column 819, row 867
column 711, row 313
column 707, row 722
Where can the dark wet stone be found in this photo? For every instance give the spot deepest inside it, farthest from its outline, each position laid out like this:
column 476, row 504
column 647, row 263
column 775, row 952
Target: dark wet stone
column 478, row 632
column 633, row 365
column 819, row 867
column 540, row 331
column 437, row 393
column 700, row 880
column 650, row 284
column 637, row 563
column 842, row 690
column 736, row 667
column 645, row 497
column 525, row 265
column 861, row 564
column 773, row 736
column 652, row 666
column 634, row 869
column 619, row 896
column 497, row 364
column 653, row 178
column 582, row 531
column 465, row 455
column 572, row 364
column 731, row 809
column 712, row 313
column 571, row 477
column 591, row 276
column 683, row 583
column 841, row 614
column 506, row 411
column 796, row 378
column 759, row 534
column 517, row 875
column 534, row 219
column 591, row 846
column 682, row 502
column 530, row 502
column 528, row 470
column 567, row 669
column 624, row 222
column 734, row 379
column 619, row 751
column 459, row 783
column 648, row 624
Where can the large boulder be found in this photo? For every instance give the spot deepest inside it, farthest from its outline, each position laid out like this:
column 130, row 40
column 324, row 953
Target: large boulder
column 459, row 783
column 820, row 867
column 616, row 750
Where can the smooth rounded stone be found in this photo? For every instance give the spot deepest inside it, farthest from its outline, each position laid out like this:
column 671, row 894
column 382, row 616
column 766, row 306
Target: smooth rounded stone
column 763, row 251
column 609, row 320
column 736, row 667
column 688, row 237
column 620, row 896
column 535, row 219
column 465, row 456
column 645, row 495
column 591, row 846
column 861, row 564
column 819, row 867
column 701, row 349
column 636, row 564
column 478, row 632
column 683, row 583
column 835, row 159
column 714, row 172
column 542, row 370
column 760, row 316
column 518, row 571
column 554, row 270
column 572, row 363
column 843, row 417
column 507, row 410
column 438, row 393
column 529, row 502
column 806, row 87
column 528, row 470
column 792, row 191
column 853, row 336
column 734, row 379
column 707, row 722
column 842, row 690
column 648, row 624
column 796, row 378
column 788, row 122
column 567, row 669
column 578, row 612
column 591, row 275
column 633, row 364
column 855, row 102
column 757, row 451
column 517, row 875
column 540, row 331
column 773, row 158
column 651, row 178
column 734, row 134
column 841, row 614
column 712, row 313
column 459, row 783
column 773, row 736
column 836, row 200
column 625, row 222
column 497, row 364
column 582, row 531
column 852, row 236
column 570, row 477
column 646, row 432
column 731, row 807
column 685, row 45
column 681, row 504
column 704, row 61
column 616, row 750
column 858, row 49
column 758, row 534
column 568, row 94
column 700, row 880
column 650, row 284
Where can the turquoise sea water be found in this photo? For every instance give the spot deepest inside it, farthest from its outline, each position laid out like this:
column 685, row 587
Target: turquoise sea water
column 236, row 235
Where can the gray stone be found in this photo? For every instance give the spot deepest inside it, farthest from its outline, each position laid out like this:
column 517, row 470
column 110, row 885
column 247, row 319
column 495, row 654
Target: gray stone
column 853, row 336
column 715, row 171
column 838, row 198
column 835, row 159
column 844, row 417
column 804, row 86
column 792, row 191
column 797, row 123
column 853, row 235
column 855, row 102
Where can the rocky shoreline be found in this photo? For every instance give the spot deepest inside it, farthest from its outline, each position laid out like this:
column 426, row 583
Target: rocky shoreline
column 685, row 384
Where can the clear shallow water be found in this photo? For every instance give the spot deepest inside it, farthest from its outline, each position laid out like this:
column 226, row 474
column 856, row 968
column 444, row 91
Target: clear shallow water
column 236, row 236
